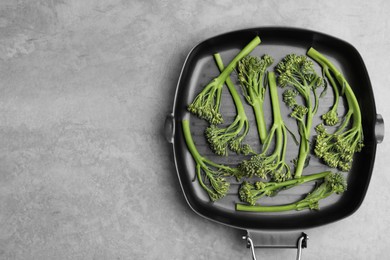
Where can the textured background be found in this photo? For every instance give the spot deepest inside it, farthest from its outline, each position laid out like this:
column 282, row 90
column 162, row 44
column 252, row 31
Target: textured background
column 85, row 172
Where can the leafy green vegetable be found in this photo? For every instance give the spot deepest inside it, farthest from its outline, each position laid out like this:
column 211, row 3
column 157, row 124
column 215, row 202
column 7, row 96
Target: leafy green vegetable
column 232, row 136
column 334, row 183
column 274, row 164
column 206, row 104
column 250, row 193
column 214, row 183
column 251, row 75
column 337, row 149
column 298, row 72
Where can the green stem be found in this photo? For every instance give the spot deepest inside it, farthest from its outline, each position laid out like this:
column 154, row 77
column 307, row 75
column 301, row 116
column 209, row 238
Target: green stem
column 218, row 101
column 299, row 87
column 302, row 179
column 260, row 120
column 335, row 89
column 283, row 155
column 354, row 105
column 190, row 143
column 258, row 208
column 278, row 121
column 315, row 109
column 345, row 122
column 198, row 174
column 303, row 152
column 244, row 52
column 305, row 135
column 232, row 89
column 274, row 99
column 260, row 86
column 267, row 142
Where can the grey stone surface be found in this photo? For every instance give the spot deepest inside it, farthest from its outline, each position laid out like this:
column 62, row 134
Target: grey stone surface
column 85, row 172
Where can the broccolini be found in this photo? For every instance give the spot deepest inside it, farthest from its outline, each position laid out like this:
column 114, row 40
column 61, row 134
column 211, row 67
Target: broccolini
column 251, row 75
column 250, row 193
column 232, row 136
column 298, row 72
column 337, row 149
column 265, row 164
column 206, row 104
column 334, row 183
column 215, row 183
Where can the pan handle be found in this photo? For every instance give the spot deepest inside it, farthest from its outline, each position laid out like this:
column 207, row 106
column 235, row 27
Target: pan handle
column 256, row 239
column 169, row 128
column 379, row 128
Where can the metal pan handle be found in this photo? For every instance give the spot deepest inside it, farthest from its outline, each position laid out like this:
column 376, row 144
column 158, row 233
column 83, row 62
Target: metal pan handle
column 169, row 128
column 256, row 239
column 379, row 128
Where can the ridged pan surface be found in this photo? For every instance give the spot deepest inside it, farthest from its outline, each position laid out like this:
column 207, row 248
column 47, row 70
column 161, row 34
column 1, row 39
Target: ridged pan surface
column 200, row 68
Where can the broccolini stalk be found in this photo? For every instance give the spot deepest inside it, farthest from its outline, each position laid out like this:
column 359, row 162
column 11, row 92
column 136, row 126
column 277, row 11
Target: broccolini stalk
column 333, row 183
column 274, row 164
column 298, row 72
column 216, row 186
column 337, row 149
column 251, row 74
column 233, row 135
column 250, row 193
column 207, row 103
column 331, row 118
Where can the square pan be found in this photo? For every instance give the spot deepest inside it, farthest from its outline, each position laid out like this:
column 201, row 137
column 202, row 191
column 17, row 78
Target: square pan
column 199, row 68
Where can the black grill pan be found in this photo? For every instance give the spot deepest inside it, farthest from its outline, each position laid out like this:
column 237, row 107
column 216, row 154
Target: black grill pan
column 199, row 68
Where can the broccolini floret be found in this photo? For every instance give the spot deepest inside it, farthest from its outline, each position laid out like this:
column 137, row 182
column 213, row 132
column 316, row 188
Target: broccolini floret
column 334, row 183
column 206, row 104
column 266, row 164
column 298, row 72
column 331, row 117
column 337, row 149
column 251, row 75
column 213, row 180
column 232, row 136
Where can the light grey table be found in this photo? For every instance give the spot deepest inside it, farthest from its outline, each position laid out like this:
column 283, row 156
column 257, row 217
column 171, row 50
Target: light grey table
column 85, row 172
